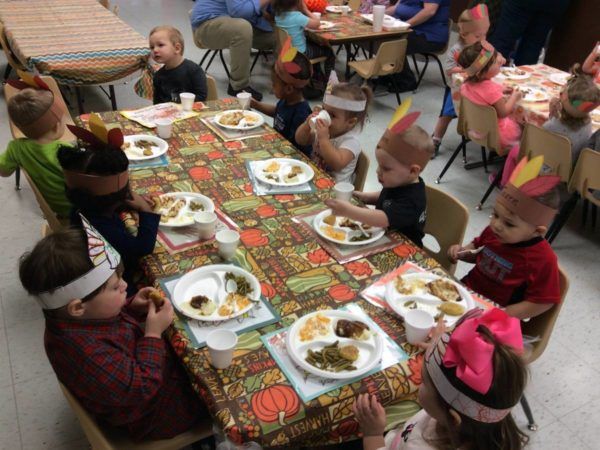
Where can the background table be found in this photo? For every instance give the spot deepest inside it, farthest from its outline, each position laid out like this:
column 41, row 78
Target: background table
column 297, row 276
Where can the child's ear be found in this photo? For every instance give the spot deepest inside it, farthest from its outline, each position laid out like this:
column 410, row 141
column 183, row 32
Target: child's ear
column 415, row 170
column 178, row 47
column 75, row 308
column 541, row 230
column 353, row 121
column 455, row 418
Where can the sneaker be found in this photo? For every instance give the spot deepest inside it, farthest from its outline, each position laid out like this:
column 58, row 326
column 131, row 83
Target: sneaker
column 255, row 94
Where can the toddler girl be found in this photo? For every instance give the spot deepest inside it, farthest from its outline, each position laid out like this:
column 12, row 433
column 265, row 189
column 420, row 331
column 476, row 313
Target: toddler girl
column 293, row 16
column 97, row 184
column 482, row 62
column 472, row 379
column 336, row 146
column 473, row 25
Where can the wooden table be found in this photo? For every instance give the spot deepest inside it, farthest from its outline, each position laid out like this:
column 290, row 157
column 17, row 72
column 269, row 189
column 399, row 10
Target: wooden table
column 77, row 42
column 278, row 253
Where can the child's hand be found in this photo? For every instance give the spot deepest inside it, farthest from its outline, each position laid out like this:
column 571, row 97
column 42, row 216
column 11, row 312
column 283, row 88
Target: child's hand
column 138, row 203
column 322, row 129
column 440, row 328
column 453, row 252
column 253, row 102
column 507, row 90
column 360, row 195
column 517, row 94
column 141, row 300
column 370, row 415
column 158, row 321
column 338, row 207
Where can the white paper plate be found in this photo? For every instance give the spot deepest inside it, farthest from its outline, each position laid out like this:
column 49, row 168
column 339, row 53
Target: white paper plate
column 285, row 166
column 370, row 350
column 259, row 119
column 186, row 215
column 320, row 227
column 559, row 78
column 423, row 299
column 210, row 282
column 534, row 95
column 335, row 9
column 514, row 73
column 136, row 153
column 595, row 114
column 326, row 25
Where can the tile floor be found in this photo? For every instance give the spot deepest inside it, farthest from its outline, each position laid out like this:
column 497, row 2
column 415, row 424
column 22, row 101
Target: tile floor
column 563, row 392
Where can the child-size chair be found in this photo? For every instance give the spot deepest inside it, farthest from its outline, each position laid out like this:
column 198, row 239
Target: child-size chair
column 11, row 60
column 388, row 61
column 54, row 223
column 211, row 89
column 440, row 207
column 107, row 438
column 362, row 168
column 435, row 56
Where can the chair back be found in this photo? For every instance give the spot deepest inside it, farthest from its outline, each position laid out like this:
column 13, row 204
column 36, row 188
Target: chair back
column 555, row 148
column 480, row 124
column 586, row 175
column 211, row 89
column 447, row 220
column 354, row 4
column 389, row 58
column 10, row 56
column 541, row 326
column 108, row 438
column 362, row 168
column 10, row 92
column 49, row 215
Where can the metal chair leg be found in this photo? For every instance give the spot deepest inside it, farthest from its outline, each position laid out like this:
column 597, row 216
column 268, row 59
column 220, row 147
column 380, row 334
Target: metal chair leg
column 584, row 212
column 527, row 410
column 464, row 154
column 207, row 53
column 7, row 71
column 562, row 217
column 594, row 214
column 255, row 61
column 395, row 86
column 422, row 74
column 441, row 69
column 414, row 58
column 79, row 96
column 18, row 179
column 484, row 159
column 224, row 64
column 113, row 97
column 495, row 182
column 451, row 160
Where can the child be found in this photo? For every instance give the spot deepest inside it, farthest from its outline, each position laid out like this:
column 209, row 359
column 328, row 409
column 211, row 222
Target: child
column 569, row 116
column 293, row 16
column 402, row 153
column 591, row 65
column 41, row 118
column 473, row 25
column 288, row 80
column 121, row 372
column 514, row 265
column 177, row 74
column 98, row 186
column 472, row 379
column 482, row 62
column 336, row 146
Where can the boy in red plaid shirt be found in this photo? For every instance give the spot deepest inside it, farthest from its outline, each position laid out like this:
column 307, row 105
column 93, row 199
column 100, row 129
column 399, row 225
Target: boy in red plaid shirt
column 121, row 372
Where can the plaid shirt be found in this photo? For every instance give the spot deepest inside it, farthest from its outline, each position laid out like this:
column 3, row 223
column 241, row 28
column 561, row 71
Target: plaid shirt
column 122, row 377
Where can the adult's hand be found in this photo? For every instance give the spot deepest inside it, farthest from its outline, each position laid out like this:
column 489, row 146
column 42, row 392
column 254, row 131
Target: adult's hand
column 428, row 11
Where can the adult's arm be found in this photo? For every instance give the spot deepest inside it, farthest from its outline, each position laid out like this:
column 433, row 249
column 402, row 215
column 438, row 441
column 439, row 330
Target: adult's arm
column 246, row 9
column 428, row 11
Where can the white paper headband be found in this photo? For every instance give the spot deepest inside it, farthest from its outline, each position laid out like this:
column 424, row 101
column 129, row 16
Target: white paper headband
column 344, row 103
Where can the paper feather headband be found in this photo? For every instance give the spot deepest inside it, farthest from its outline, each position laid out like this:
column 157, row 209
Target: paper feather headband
column 286, row 68
column 97, row 138
column 480, row 20
column 486, row 53
column 51, row 117
column 524, row 184
column 340, row 102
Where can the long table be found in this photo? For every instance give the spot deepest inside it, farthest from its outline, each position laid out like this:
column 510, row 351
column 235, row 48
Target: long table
column 297, row 276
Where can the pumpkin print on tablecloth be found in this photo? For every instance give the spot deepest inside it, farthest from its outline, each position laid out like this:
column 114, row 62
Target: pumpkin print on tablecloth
column 253, row 237
column 200, row 173
column 275, row 404
column 341, row 293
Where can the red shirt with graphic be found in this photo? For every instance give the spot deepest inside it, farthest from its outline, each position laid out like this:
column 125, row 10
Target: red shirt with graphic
column 512, row 273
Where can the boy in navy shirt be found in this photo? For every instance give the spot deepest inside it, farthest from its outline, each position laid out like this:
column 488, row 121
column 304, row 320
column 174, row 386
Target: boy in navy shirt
column 289, row 76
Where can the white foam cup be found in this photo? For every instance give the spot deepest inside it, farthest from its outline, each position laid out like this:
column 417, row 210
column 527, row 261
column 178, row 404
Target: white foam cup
column 343, row 191
column 206, row 222
column 221, row 344
column 227, row 243
column 187, row 100
column 417, row 324
column 345, row 10
column 323, row 115
column 378, row 15
column 164, row 128
column 244, row 99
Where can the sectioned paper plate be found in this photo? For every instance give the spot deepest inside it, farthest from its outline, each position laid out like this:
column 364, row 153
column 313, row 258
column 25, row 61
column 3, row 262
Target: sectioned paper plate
column 210, row 282
column 250, row 121
column 135, row 153
column 370, row 350
column 276, row 171
column 534, row 95
column 329, row 232
column 185, row 217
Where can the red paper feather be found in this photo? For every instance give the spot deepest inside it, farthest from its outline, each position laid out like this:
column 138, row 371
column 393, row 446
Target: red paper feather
column 41, row 83
column 403, row 124
column 18, row 84
column 85, row 135
column 291, row 67
column 115, row 137
column 540, row 185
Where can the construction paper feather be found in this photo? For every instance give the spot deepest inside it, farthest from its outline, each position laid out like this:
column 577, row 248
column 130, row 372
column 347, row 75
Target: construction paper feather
column 85, row 135
column 529, row 171
column 400, row 111
column 539, row 185
column 288, row 53
column 115, row 137
column 98, row 127
column 405, row 122
column 292, row 67
column 517, row 169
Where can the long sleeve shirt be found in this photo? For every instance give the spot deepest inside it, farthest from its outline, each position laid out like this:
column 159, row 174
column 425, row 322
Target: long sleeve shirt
column 242, row 9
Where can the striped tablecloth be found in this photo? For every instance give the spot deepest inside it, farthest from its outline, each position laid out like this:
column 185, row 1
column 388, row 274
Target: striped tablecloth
column 78, row 42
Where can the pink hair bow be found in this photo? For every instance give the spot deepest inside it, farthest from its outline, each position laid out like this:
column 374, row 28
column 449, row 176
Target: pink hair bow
column 472, row 354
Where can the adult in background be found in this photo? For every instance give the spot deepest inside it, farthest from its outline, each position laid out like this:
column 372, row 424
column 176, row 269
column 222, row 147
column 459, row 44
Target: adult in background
column 429, row 22
column 529, row 22
column 238, row 25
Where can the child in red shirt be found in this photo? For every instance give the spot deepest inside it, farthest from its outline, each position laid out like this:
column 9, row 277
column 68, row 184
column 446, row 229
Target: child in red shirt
column 514, row 264
column 122, row 372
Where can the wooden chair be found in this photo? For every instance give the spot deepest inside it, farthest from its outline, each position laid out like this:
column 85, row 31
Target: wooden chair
column 434, row 55
column 440, row 207
column 11, row 59
column 54, row 223
column 211, row 89
column 535, row 141
column 362, row 168
column 582, row 184
column 102, row 437
column 541, row 327
column 388, row 61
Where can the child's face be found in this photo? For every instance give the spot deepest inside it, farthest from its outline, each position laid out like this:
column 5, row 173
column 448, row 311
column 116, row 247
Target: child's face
column 109, row 302
column 392, row 173
column 280, row 89
column 471, row 38
column 510, row 228
column 163, row 50
column 341, row 122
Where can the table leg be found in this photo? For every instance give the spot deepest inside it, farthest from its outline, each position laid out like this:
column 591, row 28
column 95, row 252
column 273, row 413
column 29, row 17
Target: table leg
column 79, row 96
column 113, row 97
column 348, row 59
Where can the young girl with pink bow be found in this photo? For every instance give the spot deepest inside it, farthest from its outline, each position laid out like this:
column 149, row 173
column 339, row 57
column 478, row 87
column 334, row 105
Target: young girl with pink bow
column 472, row 379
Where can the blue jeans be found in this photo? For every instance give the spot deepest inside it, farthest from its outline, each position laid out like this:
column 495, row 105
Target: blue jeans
column 528, row 22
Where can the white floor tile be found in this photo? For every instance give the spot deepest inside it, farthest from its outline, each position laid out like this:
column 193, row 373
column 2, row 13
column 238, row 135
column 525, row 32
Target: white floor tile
column 5, row 366
column 555, row 436
column 26, row 346
column 585, row 423
column 10, row 438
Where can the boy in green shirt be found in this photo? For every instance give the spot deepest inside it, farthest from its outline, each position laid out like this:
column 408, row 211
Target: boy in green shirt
column 42, row 120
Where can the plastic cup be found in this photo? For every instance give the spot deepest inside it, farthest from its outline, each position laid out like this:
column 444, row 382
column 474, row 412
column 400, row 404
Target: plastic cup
column 221, row 344
column 164, row 128
column 207, row 223
column 227, row 243
column 244, row 99
column 343, row 191
column 378, row 15
column 187, row 100
column 417, row 324
column 323, row 115
column 317, row 15
column 345, row 10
